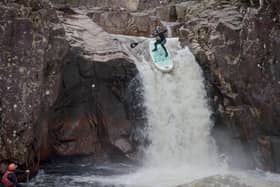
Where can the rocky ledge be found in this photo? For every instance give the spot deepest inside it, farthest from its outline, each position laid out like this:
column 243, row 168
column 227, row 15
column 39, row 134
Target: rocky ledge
column 96, row 110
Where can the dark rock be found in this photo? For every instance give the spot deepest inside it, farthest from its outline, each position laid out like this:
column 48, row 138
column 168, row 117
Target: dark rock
column 30, row 61
column 237, row 51
column 89, row 116
column 275, row 143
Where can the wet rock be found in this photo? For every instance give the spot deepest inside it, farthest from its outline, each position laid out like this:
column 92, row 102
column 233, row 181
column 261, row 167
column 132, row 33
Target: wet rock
column 90, row 120
column 124, row 145
column 275, row 143
column 266, row 152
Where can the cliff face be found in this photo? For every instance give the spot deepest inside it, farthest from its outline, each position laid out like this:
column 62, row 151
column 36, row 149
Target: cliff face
column 237, row 48
column 94, row 114
column 65, row 88
column 32, row 46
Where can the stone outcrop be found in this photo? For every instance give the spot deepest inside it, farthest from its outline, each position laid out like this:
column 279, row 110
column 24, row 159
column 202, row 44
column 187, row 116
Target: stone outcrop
column 32, row 46
column 94, row 114
column 67, row 88
column 237, row 48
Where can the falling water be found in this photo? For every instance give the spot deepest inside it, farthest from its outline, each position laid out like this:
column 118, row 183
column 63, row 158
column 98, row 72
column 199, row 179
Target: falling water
column 178, row 115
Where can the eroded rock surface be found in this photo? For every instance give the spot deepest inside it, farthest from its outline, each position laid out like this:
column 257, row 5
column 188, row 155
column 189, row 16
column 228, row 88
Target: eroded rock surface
column 93, row 114
column 32, row 46
column 236, row 46
column 66, row 88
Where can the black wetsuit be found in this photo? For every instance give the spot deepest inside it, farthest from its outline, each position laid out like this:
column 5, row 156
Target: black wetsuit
column 160, row 39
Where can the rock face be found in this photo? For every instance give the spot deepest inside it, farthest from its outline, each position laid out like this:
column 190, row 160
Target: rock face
column 32, row 46
column 92, row 115
column 66, row 88
column 237, row 49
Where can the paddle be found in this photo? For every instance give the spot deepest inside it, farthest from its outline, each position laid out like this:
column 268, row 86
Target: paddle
column 133, row 45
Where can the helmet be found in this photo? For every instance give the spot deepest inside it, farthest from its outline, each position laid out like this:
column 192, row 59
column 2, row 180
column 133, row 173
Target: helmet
column 12, row 167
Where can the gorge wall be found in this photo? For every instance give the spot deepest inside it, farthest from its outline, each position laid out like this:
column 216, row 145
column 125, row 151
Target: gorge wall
column 236, row 46
column 32, row 46
column 59, row 96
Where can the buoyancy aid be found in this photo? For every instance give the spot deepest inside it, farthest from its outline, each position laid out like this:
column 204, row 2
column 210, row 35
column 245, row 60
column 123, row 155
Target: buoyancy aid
column 5, row 179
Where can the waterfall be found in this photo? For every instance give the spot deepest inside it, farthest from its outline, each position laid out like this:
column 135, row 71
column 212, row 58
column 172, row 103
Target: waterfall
column 178, row 114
